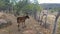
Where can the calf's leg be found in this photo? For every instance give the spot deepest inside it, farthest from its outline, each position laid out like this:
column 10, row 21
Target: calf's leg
column 18, row 27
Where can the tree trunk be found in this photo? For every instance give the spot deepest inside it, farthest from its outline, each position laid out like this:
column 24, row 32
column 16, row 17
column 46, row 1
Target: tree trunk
column 55, row 23
column 35, row 14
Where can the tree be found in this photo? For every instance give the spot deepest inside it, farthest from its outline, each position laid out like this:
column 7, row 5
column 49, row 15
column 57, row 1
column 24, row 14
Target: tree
column 26, row 6
column 4, row 4
column 20, row 5
column 55, row 23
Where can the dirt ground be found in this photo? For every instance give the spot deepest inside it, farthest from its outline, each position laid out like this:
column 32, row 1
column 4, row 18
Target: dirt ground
column 32, row 27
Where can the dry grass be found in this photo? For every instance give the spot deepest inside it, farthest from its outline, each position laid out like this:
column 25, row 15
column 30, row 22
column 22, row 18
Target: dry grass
column 51, row 19
column 33, row 26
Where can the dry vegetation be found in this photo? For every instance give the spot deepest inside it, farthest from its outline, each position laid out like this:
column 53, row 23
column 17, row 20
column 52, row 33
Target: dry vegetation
column 33, row 26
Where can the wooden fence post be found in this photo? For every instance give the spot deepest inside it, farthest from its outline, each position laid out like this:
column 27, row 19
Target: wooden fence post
column 55, row 23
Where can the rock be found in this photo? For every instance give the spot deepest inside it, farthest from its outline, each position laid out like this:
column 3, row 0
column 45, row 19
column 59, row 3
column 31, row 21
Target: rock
column 4, row 23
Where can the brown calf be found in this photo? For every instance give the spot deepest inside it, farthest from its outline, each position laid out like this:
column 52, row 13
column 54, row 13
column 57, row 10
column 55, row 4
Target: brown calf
column 22, row 20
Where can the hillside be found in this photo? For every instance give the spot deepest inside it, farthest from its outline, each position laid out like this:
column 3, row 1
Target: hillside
column 33, row 27
column 50, row 5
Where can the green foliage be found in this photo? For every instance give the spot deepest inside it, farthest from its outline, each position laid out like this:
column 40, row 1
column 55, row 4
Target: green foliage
column 4, row 4
column 55, row 9
column 20, row 5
